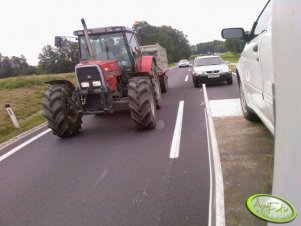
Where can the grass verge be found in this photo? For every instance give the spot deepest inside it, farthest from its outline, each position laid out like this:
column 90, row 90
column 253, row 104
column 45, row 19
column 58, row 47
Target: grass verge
column 24, row 94
column 232, row 57
column 9, row 131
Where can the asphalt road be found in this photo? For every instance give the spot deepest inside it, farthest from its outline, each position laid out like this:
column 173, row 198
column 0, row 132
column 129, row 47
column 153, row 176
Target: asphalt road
column 112, row 174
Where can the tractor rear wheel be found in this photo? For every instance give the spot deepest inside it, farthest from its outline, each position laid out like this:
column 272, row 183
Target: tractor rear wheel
column 142, row 102
column 59, row 108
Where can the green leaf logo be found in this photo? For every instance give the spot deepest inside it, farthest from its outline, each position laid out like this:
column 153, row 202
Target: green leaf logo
column 271, row 208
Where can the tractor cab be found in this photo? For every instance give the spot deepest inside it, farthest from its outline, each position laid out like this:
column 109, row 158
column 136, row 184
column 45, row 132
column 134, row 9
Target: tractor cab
column 110, row 44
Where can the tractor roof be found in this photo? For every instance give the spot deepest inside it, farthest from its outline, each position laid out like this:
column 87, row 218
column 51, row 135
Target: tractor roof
column 101, row 30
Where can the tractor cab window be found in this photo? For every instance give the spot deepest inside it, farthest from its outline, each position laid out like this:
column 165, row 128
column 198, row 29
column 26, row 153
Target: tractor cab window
column 105, row 47
column 131, row 38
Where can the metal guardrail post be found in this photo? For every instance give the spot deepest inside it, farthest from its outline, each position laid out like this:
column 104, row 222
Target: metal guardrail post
column 12, row 116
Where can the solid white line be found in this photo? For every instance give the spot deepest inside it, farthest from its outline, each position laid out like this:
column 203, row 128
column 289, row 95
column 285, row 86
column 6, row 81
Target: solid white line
column 176, row 139
column 14, row 150
column 186, row 79
column 219, row 184
column 21, row 136
column 210, row 173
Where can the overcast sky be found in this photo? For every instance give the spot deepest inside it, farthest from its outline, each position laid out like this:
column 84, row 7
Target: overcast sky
column 27, row 26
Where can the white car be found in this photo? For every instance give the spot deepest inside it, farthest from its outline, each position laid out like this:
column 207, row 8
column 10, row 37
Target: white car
column 255, row 68
column 184, row 63
column 207, row 69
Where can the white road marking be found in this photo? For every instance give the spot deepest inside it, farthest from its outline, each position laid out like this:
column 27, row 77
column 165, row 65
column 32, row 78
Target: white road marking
column 14, row 150
column 225, row 108
column 189, row 69
column 218, row 174
column 176, row 139
column 210, row 173
column 186, row 79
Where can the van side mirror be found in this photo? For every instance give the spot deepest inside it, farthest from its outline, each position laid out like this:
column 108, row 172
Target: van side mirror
column 233, row 33
column 58, row 41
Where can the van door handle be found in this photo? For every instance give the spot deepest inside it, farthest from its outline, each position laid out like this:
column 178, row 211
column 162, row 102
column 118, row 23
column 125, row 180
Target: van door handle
column 255, row 48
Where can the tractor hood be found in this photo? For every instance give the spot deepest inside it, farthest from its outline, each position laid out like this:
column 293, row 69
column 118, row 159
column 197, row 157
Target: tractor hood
column 106, row 66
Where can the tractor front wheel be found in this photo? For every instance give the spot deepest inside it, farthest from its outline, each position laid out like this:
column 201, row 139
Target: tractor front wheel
column 142, row 102
column 59, row 108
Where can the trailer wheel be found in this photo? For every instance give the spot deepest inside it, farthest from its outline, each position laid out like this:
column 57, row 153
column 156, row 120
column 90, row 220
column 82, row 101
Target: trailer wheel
column 164, row 83
column 60, row 110
column 142, row 103
column 157, row 87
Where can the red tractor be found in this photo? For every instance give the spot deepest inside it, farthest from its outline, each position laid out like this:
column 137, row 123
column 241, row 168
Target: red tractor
column 112, row 75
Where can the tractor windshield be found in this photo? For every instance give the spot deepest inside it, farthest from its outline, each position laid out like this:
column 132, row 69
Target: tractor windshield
column 105, row 47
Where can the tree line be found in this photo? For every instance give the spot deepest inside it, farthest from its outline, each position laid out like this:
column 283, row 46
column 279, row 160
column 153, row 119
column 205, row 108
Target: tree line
column 63, row 59
column 13, row 66
column 174, row 41
column 216, row 46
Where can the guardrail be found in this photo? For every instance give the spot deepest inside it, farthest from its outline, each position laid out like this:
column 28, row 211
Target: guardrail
column 216, row 199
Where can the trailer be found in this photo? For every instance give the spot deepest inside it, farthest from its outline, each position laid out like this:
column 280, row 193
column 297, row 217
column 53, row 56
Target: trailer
column 159, row 53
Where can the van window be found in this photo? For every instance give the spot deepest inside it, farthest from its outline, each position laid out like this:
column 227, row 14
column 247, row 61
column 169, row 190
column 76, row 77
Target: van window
column 264, row 19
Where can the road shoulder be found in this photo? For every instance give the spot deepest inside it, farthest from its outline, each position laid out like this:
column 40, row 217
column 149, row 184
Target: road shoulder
column 246, row 151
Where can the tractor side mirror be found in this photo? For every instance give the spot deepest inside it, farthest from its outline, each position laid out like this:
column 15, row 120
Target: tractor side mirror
column 58, row 41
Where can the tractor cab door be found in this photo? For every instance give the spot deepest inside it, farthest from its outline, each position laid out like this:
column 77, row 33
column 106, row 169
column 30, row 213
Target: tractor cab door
column 133, row 51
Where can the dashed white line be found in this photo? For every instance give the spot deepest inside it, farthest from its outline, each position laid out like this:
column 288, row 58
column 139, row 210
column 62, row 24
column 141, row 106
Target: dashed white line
column 14, row 150
column 176, row 139
column 186, row 79
column 189, row 69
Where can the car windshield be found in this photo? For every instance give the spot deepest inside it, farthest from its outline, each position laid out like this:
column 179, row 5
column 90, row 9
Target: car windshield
column 208, row 61
column 104, row 46
column 183, row 61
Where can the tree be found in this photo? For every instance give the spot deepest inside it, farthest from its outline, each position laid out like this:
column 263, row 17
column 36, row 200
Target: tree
column 215, row 46
column 175, row 41
column 234, row 45
column 6, row 67
column 15, row 66
column 59, row 60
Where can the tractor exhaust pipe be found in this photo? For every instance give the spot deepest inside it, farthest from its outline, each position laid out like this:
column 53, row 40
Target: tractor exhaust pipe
column 91, row 53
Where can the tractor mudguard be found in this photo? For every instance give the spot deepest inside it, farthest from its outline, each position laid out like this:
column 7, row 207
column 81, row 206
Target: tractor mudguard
column 58, row 82
column 145, row 64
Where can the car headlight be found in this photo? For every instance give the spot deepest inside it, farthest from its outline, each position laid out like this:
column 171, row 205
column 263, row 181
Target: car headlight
column 199, row 73
column 224, row 70
column 96, row 83
column 84, row 84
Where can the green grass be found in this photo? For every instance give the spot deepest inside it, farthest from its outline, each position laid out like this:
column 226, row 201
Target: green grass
column 24, row 94
column 232, row 57
column 172, row 64
column 9, row 131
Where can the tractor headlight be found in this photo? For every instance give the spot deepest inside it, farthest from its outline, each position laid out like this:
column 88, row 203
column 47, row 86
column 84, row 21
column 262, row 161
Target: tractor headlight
column 84, row 84
column 96, row 83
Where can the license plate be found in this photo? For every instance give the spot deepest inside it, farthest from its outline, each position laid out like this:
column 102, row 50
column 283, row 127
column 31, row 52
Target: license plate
column 213, row 76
